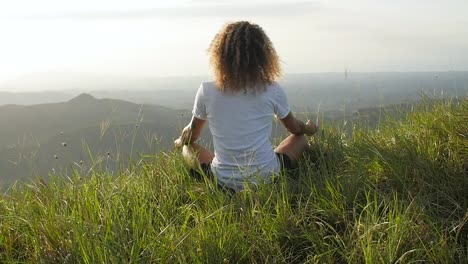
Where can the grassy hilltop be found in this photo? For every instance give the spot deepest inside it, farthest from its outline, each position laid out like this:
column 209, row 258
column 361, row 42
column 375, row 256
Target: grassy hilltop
column 396, row 194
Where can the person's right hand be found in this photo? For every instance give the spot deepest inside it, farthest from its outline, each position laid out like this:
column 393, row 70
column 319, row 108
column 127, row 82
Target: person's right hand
column 310, row 128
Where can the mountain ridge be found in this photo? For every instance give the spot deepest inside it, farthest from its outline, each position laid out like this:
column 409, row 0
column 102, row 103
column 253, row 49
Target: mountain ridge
column 38, row 131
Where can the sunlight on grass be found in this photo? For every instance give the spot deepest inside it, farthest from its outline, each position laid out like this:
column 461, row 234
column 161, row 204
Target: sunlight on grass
column 393, row 195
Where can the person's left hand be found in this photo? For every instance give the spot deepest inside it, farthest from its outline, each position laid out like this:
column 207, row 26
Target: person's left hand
column 184, row 138
column 178, row 143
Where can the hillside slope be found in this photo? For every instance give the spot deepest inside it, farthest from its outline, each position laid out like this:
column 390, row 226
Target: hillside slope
column 397, row 194
column 43, row 121
column 35, row 139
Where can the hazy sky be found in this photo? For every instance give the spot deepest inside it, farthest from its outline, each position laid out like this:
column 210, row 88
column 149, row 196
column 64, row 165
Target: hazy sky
column 170, row 38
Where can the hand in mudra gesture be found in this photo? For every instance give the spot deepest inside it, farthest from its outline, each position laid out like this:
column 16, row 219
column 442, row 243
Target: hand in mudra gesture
column 178, row 143
column 310, row 128
column 184, row 138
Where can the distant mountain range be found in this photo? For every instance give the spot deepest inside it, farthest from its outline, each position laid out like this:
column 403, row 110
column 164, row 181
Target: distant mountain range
column 345, row 91
column 38, row 138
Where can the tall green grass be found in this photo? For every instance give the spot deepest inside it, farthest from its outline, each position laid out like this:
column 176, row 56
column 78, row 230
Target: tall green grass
column 398, row 194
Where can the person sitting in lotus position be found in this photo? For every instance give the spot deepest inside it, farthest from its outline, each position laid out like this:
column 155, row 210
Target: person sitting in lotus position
column 239, row 108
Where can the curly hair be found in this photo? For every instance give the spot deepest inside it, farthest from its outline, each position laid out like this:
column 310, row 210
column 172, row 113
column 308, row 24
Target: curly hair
column 243, row 58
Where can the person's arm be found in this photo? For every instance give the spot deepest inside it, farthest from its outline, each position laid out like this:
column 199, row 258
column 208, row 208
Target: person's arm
column 297, row 127
column 191, row 132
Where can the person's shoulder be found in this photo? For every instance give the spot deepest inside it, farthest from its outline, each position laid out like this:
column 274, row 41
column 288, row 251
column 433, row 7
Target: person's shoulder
column 275, row 87
column 208, row 86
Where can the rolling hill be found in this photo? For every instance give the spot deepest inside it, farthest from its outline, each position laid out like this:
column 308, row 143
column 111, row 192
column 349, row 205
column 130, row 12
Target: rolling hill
column 34, row 139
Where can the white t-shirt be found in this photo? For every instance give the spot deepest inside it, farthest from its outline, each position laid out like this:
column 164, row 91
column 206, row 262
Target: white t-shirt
column 241, row 125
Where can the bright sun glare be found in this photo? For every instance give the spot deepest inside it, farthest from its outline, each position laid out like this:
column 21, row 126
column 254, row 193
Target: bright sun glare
column 155, row 38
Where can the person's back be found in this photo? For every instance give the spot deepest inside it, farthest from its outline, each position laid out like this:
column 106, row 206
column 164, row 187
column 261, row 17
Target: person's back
column 239, row 107
column 241, row 125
